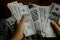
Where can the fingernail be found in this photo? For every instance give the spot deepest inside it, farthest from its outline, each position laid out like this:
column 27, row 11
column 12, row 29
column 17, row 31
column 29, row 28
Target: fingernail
column 24, row 18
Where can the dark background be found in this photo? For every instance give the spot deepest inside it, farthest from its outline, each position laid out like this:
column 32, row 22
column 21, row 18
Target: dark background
column 5, row 12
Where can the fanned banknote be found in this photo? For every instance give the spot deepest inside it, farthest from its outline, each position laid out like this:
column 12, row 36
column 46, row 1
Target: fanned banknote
column 38, row 17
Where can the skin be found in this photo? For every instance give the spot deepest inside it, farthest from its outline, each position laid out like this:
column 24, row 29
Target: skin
column 20, row 28
column 56, row 26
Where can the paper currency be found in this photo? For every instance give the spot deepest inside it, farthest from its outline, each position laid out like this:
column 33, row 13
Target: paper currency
column 29, row 27
column 44, row 17
column 10, row 22
column 34, row 14
column 38, row 17
column 14, row 12
column 55, row 12
column 53, row 15
column 18, row 12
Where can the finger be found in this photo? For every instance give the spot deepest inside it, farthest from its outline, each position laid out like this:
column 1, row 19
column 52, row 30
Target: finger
column 21, row 25
column 59, row 24
column 57, row 28
column 54, row 24
column 23, row 19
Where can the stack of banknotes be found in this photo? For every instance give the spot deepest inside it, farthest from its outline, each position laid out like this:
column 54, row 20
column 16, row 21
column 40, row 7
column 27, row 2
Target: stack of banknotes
column 38, row 17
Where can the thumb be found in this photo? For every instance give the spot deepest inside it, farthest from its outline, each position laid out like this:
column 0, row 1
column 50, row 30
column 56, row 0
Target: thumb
column 23, row 20
column 59, row 24
column 55, row 26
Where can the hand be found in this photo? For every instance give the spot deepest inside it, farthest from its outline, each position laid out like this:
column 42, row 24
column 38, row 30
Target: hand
column 56, row 26
column 20, row 29
column 20, row 25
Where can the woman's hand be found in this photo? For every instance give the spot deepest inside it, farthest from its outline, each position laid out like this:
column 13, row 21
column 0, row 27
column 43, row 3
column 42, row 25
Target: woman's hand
column 56, row 26
column 20, row 25
column 20, row 29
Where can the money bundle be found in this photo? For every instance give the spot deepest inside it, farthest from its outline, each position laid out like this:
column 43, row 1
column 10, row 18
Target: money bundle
column 38, row 17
